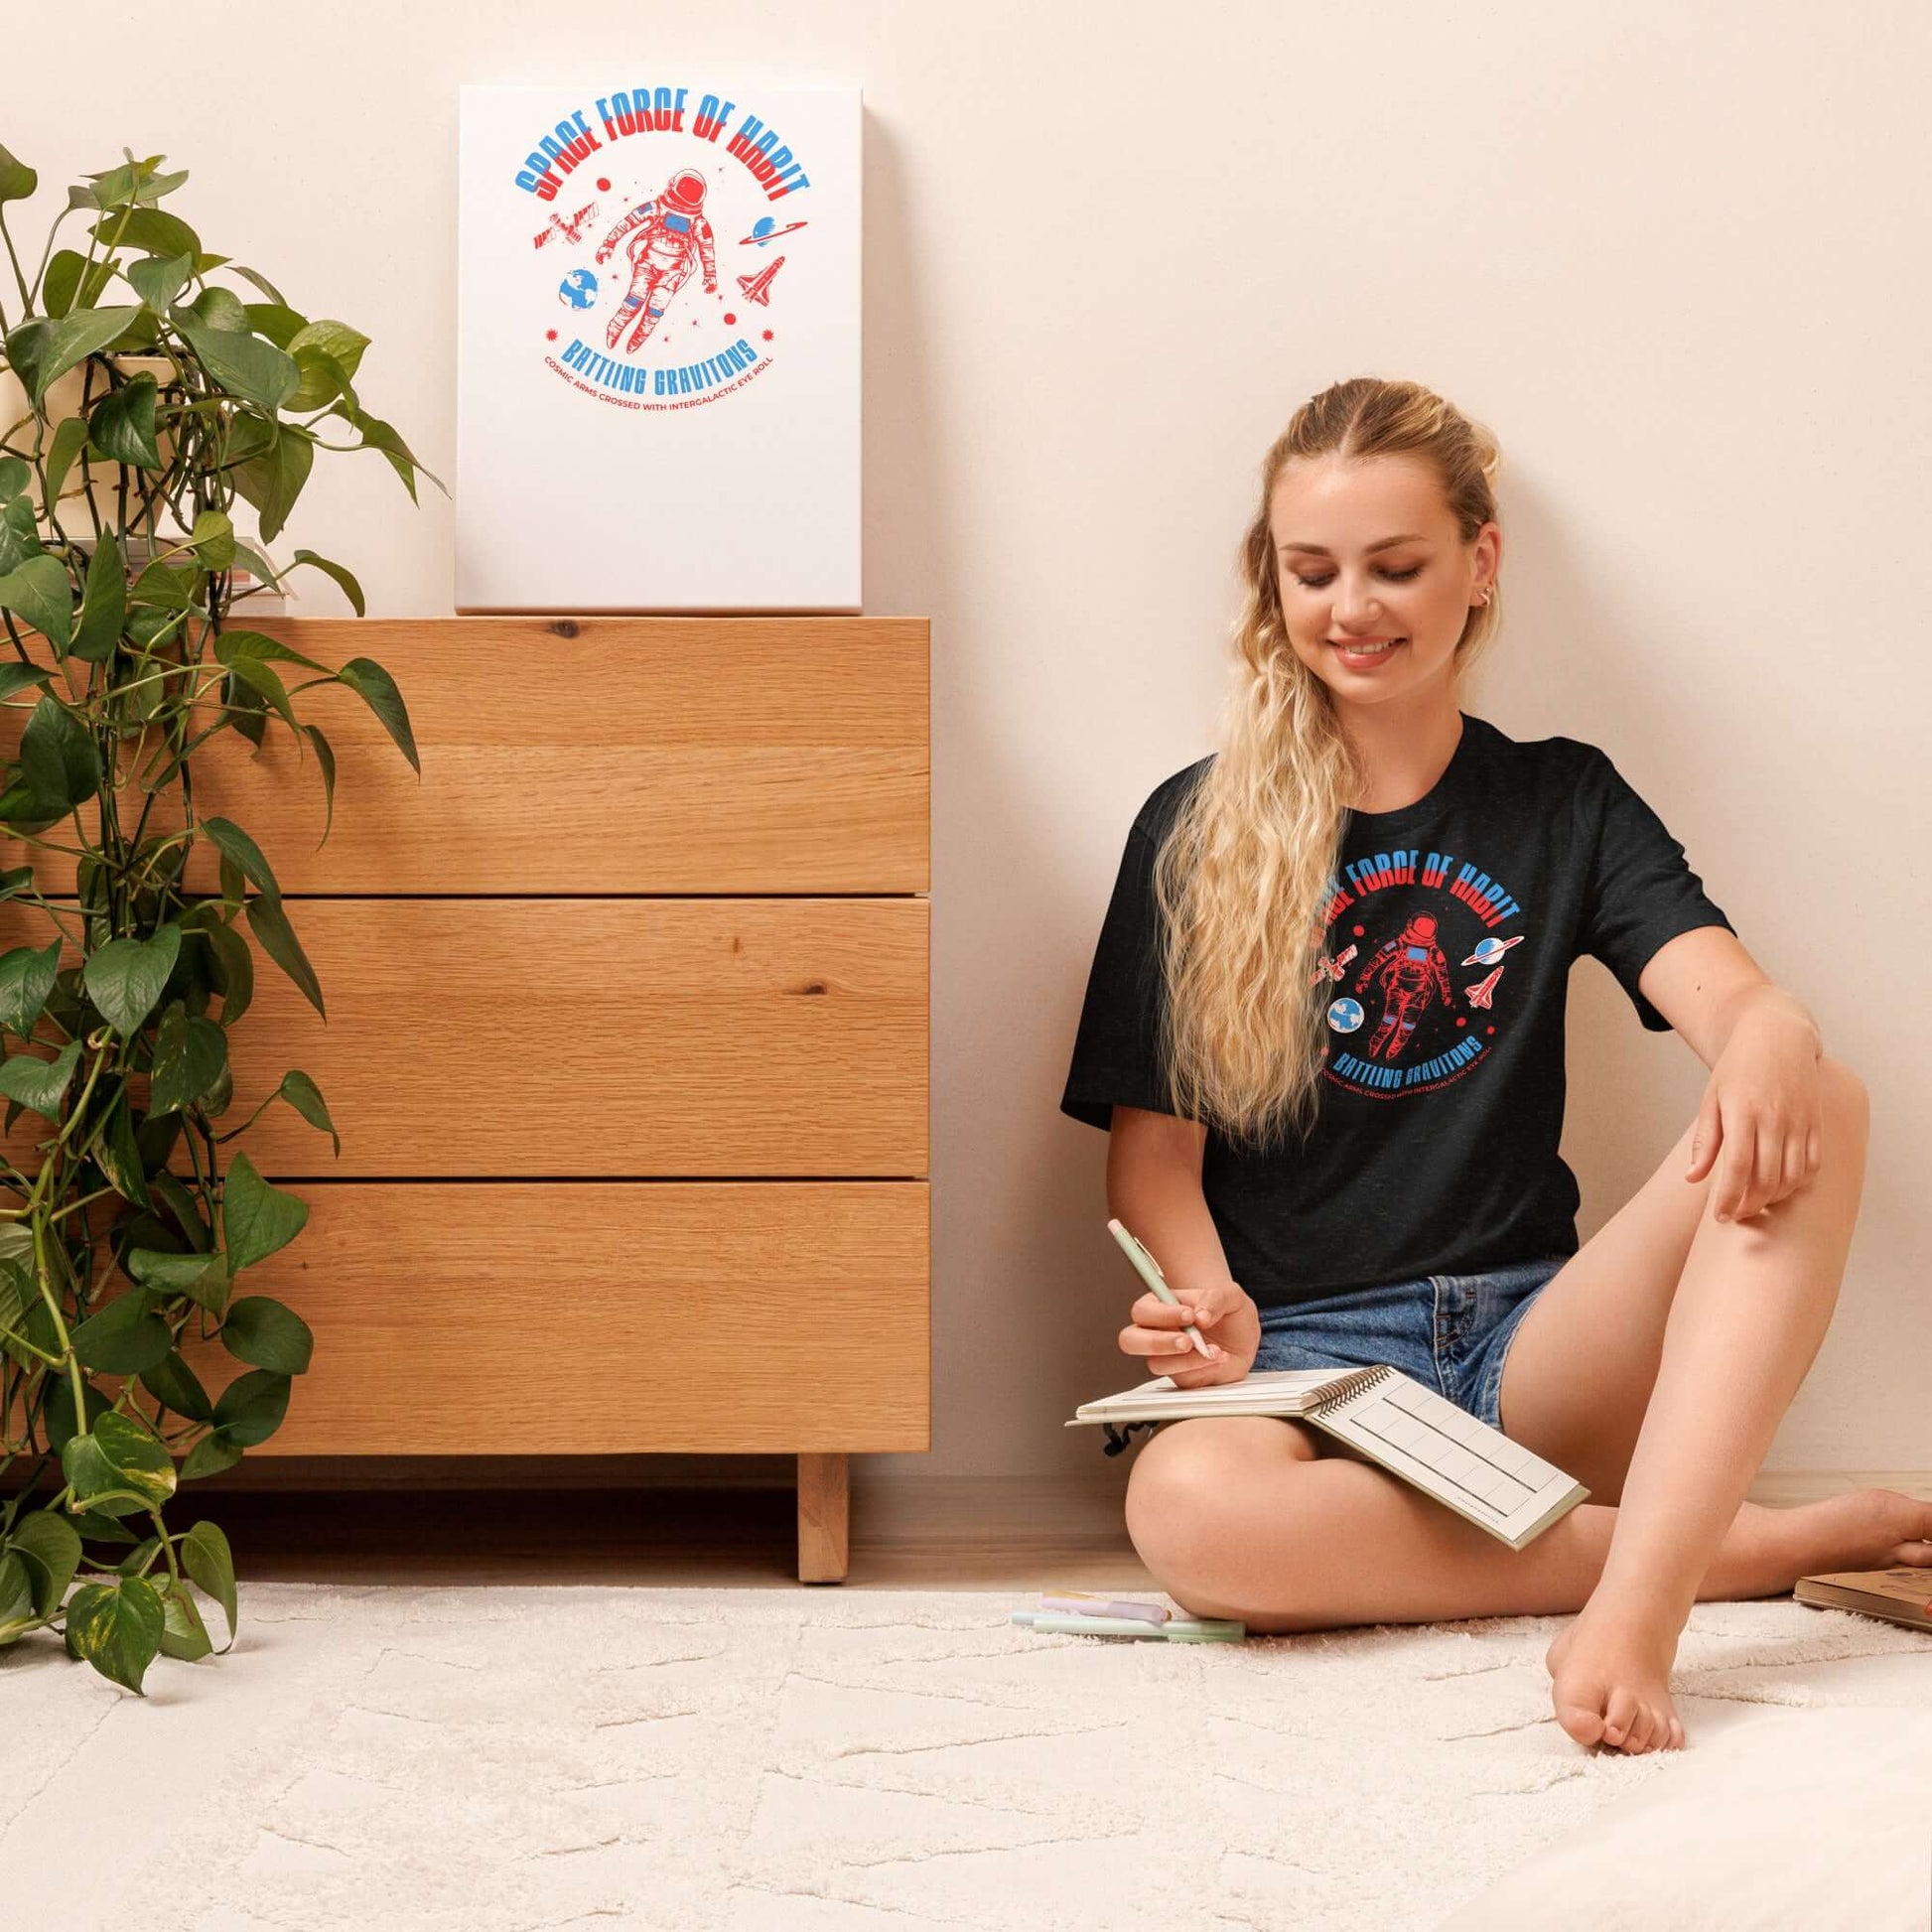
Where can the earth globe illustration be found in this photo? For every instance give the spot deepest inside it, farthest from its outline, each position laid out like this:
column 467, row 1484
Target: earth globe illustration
column 1345, row 1016
column 577, row 288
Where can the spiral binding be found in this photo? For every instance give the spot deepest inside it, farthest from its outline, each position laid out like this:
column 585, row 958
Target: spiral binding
column 1351, row 1385
column 1119, row 1435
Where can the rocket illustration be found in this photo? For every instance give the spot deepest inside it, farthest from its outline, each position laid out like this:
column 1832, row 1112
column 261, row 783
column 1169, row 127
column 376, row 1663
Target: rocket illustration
column 1331, row 968
column 757, row 288
column 1488, row 951
column 1482, row 992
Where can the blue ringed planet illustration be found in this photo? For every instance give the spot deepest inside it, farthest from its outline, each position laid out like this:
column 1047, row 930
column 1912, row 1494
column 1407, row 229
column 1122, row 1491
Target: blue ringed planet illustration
column 766, row 229
column 1488, row 951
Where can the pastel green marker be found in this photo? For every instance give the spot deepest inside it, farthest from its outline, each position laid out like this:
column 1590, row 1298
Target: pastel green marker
column 1176, row 1629
column 1149, row 1271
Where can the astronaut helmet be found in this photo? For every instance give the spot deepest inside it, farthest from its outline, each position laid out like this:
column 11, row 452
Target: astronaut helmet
column 685, row 190
column 1420, row 931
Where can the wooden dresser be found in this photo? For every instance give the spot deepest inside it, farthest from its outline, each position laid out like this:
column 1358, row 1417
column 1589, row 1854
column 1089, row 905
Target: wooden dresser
column 626, row 1042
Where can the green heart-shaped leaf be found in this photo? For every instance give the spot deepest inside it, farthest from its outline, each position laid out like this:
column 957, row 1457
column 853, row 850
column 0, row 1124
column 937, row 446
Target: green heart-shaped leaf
column 118, row 1454
column 261, row 1331
column 40, row 592
column 242, row 363
column 216, row 1452
column 211, row 1563
column 121, row 426
column 377, row 689
column 305, row 1097
column 36, row 1083
column 250, row 1409
column 270, row 924
column 18, row 1614
column 189, row 1055
column 123, row 1339
column 52, row 1547
column 235, row 844
column 54, row 347
column 68, row 440
column 157, row 279
column 58, row 754
column 126, row 977
column 172, row 1382
column 184, row 1635
column 256, row 1219
column 26, row 981
column 103, row 604
column 117, row 1628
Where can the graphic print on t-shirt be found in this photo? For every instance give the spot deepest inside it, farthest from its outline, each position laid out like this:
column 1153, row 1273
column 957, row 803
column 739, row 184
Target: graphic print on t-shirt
column 1404, row 930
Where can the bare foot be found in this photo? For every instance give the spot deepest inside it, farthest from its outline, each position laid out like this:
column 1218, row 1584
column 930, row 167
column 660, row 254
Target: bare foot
column 1609, row 1673
column 1611, row 1667
column 1863, row 1529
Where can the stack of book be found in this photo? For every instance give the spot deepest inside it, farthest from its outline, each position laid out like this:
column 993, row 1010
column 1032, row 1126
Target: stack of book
column 1903, row 1595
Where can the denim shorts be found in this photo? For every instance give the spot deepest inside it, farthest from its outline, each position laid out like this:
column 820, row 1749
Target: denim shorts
column 1450, row 1333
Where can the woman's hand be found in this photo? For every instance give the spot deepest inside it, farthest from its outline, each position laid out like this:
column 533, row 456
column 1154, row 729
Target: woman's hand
column 1760, row 1117
column 1229, row 1324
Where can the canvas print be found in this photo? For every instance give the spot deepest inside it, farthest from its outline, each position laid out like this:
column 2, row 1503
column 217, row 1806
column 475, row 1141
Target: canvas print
column 658, row 351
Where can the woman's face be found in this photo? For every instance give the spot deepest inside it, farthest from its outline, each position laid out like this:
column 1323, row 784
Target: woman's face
column 1344, row 581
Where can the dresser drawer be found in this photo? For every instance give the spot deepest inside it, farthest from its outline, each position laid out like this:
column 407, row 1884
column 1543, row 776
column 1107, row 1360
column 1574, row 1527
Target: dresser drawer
column 510, row 1038
column 588, row 755
column 500, row 1317
column 514, row 1037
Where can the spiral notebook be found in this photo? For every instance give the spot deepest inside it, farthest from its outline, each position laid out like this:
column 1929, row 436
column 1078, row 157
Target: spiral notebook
column 1391, row 1419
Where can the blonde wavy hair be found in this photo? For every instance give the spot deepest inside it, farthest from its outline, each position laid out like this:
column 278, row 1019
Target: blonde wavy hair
column 1248, row 868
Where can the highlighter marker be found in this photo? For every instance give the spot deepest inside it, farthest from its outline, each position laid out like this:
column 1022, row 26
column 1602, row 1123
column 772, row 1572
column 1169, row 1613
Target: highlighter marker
column 1176, row 1629
column 1080, row 1603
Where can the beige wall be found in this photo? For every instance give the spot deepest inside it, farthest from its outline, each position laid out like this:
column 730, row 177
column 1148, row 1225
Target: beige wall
column 1676, row 258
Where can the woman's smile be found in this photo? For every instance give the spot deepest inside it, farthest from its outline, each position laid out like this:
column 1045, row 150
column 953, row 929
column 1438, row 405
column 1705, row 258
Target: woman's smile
column 1365, row 653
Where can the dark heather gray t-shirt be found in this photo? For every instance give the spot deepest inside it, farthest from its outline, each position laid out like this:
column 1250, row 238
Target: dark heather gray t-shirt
column 1451, row 929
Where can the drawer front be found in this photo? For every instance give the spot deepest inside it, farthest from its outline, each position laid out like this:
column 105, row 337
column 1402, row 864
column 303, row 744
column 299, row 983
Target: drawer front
column 631, row 1037
column 613, row 754
column 497, row 1319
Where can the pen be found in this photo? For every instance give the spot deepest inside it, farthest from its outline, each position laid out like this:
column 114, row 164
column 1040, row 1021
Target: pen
column 1149, row 1271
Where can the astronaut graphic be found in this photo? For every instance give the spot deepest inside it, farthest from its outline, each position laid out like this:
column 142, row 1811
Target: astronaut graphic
column 669, row 236
column 1412, row 971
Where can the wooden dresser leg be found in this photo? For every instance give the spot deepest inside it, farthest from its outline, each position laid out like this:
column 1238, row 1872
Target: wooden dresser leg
column 823, row 1496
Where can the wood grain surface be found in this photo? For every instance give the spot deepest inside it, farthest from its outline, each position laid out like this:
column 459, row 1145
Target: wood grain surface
column 509, row 1318
column 586, row 754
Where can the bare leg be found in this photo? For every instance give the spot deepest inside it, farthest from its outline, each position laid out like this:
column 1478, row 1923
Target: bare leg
column 1747, row 1317
column 1240, row 1516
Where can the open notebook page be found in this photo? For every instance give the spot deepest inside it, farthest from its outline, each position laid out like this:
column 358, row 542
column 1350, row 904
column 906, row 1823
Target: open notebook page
column 1473, row 1468
column 1268, row 1392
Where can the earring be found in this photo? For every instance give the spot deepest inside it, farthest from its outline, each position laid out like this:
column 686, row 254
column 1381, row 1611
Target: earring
column 1484, row 599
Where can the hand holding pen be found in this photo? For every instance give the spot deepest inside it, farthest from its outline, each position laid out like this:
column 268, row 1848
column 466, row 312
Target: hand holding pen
column 1166, row 1324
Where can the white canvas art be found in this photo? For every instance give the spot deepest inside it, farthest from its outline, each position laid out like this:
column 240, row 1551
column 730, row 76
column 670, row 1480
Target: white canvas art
column 657, row 348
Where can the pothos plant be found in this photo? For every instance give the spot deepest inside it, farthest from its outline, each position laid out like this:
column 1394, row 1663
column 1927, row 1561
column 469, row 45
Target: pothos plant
column 148, row 397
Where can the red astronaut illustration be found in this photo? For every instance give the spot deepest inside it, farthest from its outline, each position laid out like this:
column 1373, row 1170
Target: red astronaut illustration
column 1412, row 970
column 671, row 237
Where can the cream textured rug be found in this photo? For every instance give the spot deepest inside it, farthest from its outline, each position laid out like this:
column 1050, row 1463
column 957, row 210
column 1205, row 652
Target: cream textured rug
column 822, row 1760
